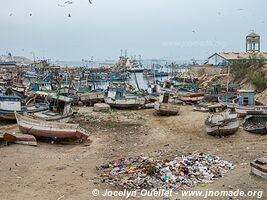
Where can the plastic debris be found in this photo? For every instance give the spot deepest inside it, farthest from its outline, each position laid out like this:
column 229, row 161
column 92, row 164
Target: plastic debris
column 178, row 173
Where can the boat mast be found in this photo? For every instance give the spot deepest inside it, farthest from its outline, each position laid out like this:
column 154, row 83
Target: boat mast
column 228, row 77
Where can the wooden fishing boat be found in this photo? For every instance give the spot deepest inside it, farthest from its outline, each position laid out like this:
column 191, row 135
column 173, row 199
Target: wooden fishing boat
column 90, row 98
column 243, row 111
column 221, row 122
column 224, row 100
column 117, row 97
column 19, row 88
column 126, row 102
column 166, row 108
column 256, row 124
column 54, row 130
column 259, row 167
column 59, row 110
column 19, row 138
column 192, row 97
column 247, row 104
column 201, row 107
column 10, row 104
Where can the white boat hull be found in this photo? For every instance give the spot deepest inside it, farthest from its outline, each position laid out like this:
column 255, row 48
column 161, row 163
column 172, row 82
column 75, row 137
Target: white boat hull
column 125, row 103
column 43, row 129
column 222, row 124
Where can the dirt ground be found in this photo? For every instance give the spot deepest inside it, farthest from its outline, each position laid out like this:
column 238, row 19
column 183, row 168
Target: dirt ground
column 57, row 171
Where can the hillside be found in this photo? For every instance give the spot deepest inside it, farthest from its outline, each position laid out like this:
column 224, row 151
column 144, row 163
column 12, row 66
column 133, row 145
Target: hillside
column 20, row 60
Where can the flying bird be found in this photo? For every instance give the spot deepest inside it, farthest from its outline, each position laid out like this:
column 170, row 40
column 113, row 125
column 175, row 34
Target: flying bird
column 30, row 14
column 69, row 15
column 10, row 14
column 61, row 5
column 90, row 1
column 68, row 2
column 193, row 31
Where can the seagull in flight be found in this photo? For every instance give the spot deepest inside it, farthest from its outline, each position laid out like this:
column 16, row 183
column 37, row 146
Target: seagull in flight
column 68, row 2
column 90, row 1
column 69, row 15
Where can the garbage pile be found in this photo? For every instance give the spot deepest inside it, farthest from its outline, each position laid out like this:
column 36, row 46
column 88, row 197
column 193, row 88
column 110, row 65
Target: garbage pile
column 178, row 173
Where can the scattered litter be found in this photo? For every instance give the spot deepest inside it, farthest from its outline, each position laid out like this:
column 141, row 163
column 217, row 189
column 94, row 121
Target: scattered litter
column 178, row 173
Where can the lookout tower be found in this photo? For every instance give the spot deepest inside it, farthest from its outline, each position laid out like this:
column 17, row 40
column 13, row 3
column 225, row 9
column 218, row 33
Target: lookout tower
column 253, row 43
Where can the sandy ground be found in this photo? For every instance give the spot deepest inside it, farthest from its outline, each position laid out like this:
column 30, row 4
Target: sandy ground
column 57, row 171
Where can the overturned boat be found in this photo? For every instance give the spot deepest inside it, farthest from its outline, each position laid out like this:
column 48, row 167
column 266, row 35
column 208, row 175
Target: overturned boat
column 221, row 121
column 43, row 129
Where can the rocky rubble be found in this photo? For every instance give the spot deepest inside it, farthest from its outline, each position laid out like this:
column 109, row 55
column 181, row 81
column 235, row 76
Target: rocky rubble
column 262, row 97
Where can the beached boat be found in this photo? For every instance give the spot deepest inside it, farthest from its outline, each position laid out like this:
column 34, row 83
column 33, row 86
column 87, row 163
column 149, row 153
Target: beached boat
column 259, row 167
column 117, row 97
column 256, row 124
column 126, row 102
column 164, row 107
column 59, row 110
column 19, row 138
column 19, row 88
column 224, row 100
column 90, row 98
column 192, row 97
column 10, row 104
column 201, row 107
column 243, row 111
column 54, row 130
column 221, row 121
column 247, row 104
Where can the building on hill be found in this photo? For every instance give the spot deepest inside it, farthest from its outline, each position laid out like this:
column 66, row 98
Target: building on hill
column 223, row 58
column 252, row 51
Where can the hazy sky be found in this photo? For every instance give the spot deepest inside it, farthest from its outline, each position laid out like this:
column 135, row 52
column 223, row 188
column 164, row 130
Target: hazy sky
column 175, row 29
